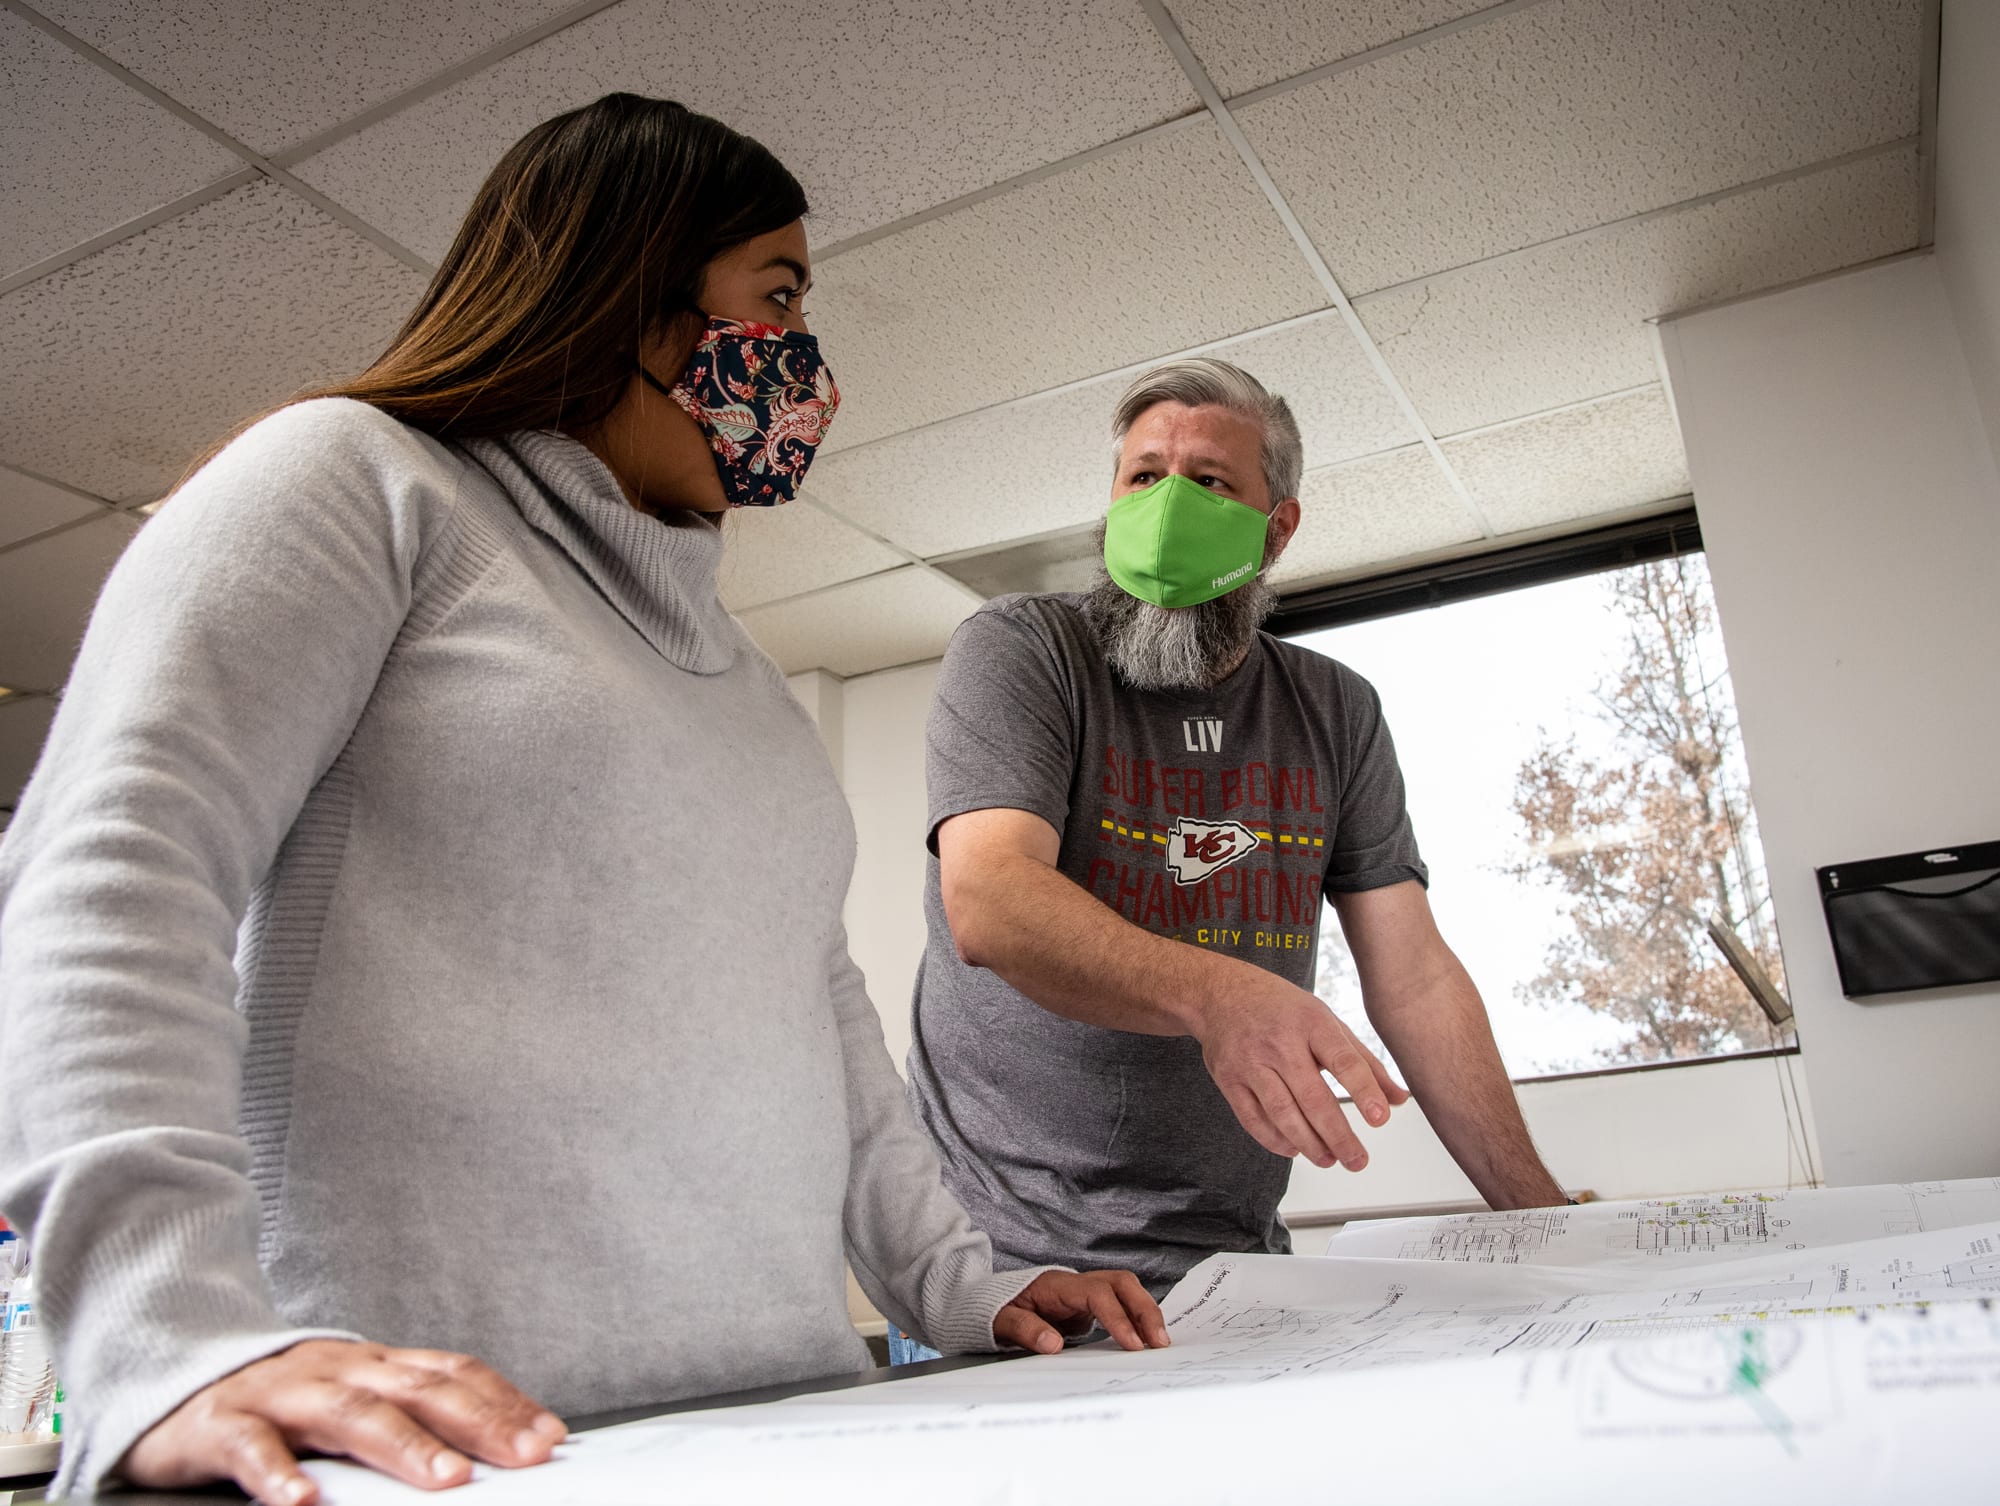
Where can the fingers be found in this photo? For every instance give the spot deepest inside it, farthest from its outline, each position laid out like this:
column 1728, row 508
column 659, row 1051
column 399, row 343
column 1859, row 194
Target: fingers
column 1267, row 1055
column 1125, row 1311
column 258, row 1460
column 1055, row 1301
column 419, row 1415
column 1294, row 1113
column 1023, row 1329
column 1250, row 1114
column 1140, row 1304
column 466, row 1404
column 341, row 1417
column 1396, row 1093
column 1304, row 1109
column 1354, row 1067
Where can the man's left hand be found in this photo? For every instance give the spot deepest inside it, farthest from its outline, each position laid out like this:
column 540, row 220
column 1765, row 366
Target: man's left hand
column 1056, row 1303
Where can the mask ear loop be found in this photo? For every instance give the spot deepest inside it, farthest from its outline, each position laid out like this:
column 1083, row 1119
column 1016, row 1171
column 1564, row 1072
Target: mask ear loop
column 685, row 306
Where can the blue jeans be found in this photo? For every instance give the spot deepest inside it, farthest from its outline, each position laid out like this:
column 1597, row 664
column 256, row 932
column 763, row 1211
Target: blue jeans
column 904, row 1350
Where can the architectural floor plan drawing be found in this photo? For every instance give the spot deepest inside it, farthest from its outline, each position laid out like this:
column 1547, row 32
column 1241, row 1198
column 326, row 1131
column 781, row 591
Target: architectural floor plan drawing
column 1723, row 1225
column 1502, row 1238
column 1807, row 1369
column 1704, row 1224
column 1851, row 1409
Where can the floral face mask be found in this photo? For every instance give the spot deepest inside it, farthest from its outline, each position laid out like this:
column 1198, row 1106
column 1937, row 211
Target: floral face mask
column 764, row 398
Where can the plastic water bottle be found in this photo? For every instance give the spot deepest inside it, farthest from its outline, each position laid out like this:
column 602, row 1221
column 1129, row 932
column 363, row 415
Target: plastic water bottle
column 11, row 1255
column 27, row 1376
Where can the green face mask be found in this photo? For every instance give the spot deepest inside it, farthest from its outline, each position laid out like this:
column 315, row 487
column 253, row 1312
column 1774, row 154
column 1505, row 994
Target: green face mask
column 1178, row 544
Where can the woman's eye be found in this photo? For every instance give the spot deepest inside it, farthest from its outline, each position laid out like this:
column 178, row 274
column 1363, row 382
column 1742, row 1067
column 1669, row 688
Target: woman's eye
column 786, row 299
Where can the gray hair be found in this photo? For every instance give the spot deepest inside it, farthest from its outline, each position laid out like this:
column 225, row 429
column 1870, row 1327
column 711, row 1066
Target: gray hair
column 1203, row 381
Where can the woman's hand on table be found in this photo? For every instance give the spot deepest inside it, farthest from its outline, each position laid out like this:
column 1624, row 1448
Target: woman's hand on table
column 421, row 1415
column 1056, row 1303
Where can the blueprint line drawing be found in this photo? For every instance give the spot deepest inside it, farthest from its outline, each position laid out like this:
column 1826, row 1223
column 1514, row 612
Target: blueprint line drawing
column 1767, row 1382
column 1707, row 1223
column 1250, row 1319
column 1849, row 1410
column 1714, row 1226
column 1709, row 1365
column 1506, row 1238
column 1857, row 1371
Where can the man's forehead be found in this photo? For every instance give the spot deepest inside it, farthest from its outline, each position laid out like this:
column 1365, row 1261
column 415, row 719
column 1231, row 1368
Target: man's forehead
column 1193, row 456
column 1176, row 427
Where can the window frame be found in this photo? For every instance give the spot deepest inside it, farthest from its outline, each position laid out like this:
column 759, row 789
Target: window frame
column 1494, row 572
column 1590, row 551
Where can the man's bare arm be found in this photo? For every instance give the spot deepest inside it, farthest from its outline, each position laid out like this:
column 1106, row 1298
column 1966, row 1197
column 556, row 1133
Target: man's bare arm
column 1430, row 1016
column 1263, row 1040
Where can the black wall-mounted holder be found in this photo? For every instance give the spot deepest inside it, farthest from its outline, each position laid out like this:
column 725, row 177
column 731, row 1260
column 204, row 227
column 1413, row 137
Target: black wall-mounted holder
column 1916, row 920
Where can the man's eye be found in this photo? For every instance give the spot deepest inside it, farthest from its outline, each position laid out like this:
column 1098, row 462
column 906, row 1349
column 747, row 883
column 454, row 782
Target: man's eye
column 1213, row 483
column 1141, row 478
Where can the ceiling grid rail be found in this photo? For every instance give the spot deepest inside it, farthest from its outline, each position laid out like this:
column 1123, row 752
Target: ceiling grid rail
column 1153, row 132
column 1218, row 108
column 909, row 556
column 1212, row 107
column 277, row 165
column 337, row 212
column 81, row 495
column 173, row 209
column 437, row 83
column 1604, row 228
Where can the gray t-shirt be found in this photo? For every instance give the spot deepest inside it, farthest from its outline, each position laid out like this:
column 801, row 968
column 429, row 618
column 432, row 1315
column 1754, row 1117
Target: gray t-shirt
column 1214, row 817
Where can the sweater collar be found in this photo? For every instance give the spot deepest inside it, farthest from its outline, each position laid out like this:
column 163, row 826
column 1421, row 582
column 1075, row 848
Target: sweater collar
column 659, row 576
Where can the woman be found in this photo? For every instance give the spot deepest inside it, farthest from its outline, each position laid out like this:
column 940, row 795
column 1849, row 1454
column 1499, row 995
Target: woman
column 424, row 923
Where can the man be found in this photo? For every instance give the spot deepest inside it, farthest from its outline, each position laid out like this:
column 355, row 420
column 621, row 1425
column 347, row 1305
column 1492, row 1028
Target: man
column 1136, row 800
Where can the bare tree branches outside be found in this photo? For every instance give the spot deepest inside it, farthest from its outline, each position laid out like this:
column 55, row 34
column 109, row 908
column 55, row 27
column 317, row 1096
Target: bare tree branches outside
column 1578, row 782
column 1641, row 848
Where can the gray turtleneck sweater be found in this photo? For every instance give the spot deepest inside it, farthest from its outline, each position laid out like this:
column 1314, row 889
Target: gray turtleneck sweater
column 424, row 923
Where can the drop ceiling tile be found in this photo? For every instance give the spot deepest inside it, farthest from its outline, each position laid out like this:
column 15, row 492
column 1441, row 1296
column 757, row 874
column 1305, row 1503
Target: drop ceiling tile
column 1562, row 323
column 773, row 552
column 80, row 152
column 881, row 107
column 1372, row 512
column 1070, row 560
column 1006, row 473
column 47, row 589
column 1045, row 464
column 278, row 71
column 1056, row 281
column 903, row 617
column 1575, row 113
column 28, row 506
column 1245, row 44
column 1582, row 462
column 118, row 370
column 24, row 727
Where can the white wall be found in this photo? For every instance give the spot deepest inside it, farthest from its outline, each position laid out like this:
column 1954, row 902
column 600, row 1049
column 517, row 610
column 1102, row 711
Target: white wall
column 883, row 755
column 1851, row 510
column 1712, row 1127
column 1968, row 190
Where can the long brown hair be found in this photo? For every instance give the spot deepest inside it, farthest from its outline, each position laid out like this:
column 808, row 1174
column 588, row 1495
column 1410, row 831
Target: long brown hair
column 587, row 239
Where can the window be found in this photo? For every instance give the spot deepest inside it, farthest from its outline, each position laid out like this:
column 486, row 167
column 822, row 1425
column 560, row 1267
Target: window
column 1577, row 782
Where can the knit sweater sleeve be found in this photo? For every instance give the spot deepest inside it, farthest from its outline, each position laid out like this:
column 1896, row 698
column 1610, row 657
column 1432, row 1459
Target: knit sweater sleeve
column 912, row 1247
column 227, row 661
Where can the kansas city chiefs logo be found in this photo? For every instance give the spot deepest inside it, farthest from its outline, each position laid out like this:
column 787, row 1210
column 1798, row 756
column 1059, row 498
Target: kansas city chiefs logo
column 1198, row 848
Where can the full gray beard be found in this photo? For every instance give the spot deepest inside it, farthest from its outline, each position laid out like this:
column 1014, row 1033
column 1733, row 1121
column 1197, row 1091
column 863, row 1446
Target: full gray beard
column 1176, row 648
